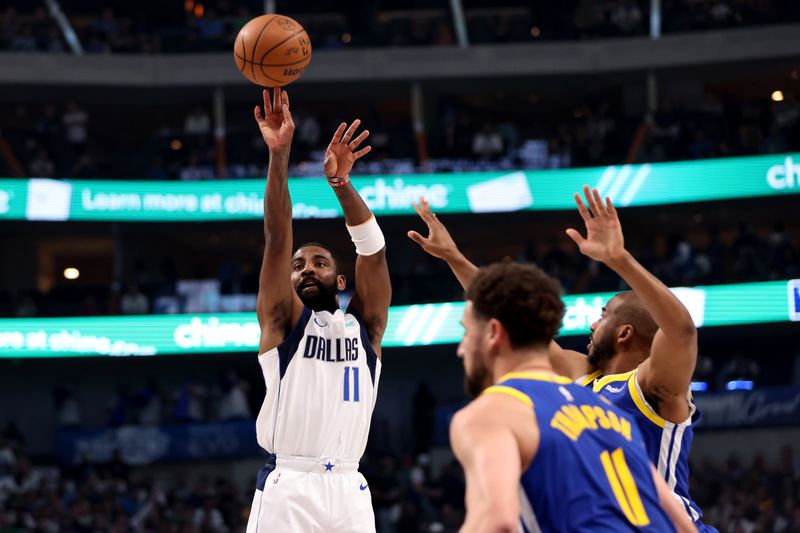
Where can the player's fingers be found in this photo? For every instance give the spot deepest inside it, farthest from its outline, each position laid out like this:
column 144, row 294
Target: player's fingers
column 358, row 140
column 351, row 130
column 575, row 236
column 361, row 153
column 285, row 98
column 267, row 103
column 257, row 114
column 337, row 135
column 287, row 115
column 276, row 98
column 601, row 207
column 585, row 214
column 587, row 192
column 424, row 210
column 611, row 209
column 416, row 237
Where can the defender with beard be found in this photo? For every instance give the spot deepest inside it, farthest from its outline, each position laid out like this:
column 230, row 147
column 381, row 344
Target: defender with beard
column 642, row 352
column 541, row 453
column 321, row 365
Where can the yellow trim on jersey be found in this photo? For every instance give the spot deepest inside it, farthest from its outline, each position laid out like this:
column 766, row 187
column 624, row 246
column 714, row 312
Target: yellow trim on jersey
column 641, row 403
column 586, row 381
column 538, row 376
column 514, row 393
column 610, row 378
column 634, row 391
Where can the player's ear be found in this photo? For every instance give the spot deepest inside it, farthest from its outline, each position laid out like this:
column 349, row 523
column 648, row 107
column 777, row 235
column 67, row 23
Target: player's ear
column 625, row 334
column 494, row 333
column 341, row 282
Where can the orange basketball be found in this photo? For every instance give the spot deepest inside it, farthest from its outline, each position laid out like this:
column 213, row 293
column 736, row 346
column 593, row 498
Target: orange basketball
column 272, row 50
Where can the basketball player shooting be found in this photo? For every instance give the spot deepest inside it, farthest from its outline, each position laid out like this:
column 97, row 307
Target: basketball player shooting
column 321, row 365
column 642, row 351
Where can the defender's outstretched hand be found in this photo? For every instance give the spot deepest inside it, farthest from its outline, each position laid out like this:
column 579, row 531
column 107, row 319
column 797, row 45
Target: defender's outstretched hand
column 275, row 123
column 604, row 241
column 341, row 153
column 438, row 243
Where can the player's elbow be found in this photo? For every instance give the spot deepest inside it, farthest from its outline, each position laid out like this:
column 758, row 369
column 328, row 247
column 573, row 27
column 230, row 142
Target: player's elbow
column 500, row 517
column 502, row 524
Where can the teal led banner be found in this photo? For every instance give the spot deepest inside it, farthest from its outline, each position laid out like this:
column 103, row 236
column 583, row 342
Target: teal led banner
column 477, row 192
column 415, row 325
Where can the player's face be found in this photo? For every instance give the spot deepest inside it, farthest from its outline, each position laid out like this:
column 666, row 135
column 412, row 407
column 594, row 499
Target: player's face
column 314, row 277
column 473, row 351
column 602, row 341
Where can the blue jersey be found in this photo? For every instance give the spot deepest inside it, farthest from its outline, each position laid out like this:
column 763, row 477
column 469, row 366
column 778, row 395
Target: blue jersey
column 590, row 471
column 667, row 444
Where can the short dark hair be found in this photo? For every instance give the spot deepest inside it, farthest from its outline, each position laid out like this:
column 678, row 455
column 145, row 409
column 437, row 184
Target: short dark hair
column 523, row 298
column 326, row 248
column 631, row 310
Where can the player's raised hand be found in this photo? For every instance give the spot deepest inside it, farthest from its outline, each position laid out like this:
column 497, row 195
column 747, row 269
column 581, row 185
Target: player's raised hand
column 275, row 122
column 343, row 152
column 438, row 243
column 604, row 241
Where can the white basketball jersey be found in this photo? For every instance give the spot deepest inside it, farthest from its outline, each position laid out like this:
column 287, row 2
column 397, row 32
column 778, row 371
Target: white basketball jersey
column 322, row 384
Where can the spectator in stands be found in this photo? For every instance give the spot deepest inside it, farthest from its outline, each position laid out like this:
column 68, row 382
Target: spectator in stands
column 23, row 40
column 626, row 16
column 68, row 410
column 233, row 400
column 307, row 132
column 189, row 402
column 487, row 144
column 76, row 124
column 119, row 407
column 133, row 302
column 443, row 35
column 41, row 166
column 106, row 26
column 149, row 404
column 198, row 122
column 211, row 28
column 9, row 25
column 386, row 494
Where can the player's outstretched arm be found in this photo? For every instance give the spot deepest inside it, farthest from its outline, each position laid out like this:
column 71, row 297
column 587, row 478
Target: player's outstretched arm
column 667, row 373
column 485, row 441
column 278, row 306
column 439, row 243
column 674, row 510
column 373, row 287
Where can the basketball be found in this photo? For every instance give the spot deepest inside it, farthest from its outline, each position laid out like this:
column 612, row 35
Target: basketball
column 272, row 50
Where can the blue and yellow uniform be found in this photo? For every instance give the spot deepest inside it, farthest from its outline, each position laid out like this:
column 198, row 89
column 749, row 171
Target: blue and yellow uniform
column 590, row 472
column 667, row 444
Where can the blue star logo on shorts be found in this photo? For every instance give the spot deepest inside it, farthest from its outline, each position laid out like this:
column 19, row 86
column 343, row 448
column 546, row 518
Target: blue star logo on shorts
column 328, row 467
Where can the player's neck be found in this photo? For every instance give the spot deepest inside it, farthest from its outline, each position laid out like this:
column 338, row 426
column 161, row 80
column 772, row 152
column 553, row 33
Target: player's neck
column 522, row 361
column 623, row 362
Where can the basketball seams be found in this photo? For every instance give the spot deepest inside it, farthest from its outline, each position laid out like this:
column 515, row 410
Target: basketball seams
column 244, row 52
column 255, row 45
column 282, row 82
column 295, row 34
column 272, row 64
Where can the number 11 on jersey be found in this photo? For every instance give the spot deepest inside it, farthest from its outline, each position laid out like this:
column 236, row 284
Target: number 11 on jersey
column 347, row 383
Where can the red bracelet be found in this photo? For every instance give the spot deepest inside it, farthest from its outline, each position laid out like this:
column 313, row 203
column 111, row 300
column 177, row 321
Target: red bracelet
column 338, row 182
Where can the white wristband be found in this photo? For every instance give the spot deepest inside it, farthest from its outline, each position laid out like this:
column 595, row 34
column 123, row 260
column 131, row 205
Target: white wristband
column 367, row 237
